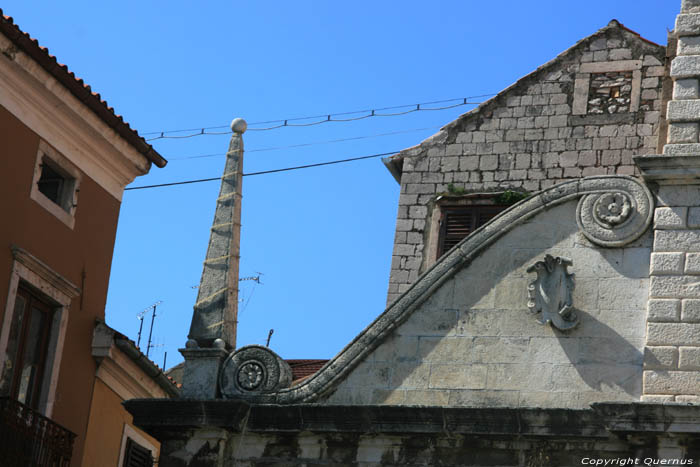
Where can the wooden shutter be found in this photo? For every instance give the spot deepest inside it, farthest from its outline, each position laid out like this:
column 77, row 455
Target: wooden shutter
column 136, row 455
column 458, row 222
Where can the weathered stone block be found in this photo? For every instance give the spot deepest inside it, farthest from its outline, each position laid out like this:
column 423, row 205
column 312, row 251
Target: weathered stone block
column 410, row 375
column 535, row 377
column 673, row 334
column 443, row 349
column 686, row 399
column 692, row 263
column 608, row 351
column 488, row 162
column 683, row 132
column 657, row 399
column 620, row 54
column 677, row 240
column 690, row 6
column 688, row 24
column 683, row 110
column 397, row 348
column 499, row 350
column 667, row 263
column 680, row 195
column 664, row 310
column 694, row 217
column 689, row 45
column 434, row 397
column 661, row 358
column 674, row 287
column 471, row 398
column 623, row 294
column 672, row 382
column 387, row 396
column 685, row 66
column 689, row 358
column 457, row 376
column 690, row 311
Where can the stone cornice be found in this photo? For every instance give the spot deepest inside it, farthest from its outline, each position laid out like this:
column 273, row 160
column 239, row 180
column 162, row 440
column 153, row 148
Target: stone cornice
column 671, row 169
column 38, row 267
column 163, row 418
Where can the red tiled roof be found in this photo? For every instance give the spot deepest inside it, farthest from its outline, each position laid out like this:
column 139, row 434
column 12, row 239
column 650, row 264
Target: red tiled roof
column 304, row 368
column 77, row 87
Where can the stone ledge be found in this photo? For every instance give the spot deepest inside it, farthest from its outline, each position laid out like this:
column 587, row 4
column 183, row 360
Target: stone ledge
column 632, row 417
column 167, row 417
column 672, row 168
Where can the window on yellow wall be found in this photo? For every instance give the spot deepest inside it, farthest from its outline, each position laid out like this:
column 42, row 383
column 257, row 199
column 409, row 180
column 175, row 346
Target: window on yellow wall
column 136, row 455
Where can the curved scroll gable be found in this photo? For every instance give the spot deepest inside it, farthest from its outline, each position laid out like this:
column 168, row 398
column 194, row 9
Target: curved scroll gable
column 612, row 211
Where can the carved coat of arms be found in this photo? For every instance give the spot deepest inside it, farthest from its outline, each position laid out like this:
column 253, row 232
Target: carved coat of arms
column 550, row 295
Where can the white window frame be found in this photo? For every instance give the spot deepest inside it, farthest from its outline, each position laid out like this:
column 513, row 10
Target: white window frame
column 130, row 432
column 29, row 270
column 65, row 212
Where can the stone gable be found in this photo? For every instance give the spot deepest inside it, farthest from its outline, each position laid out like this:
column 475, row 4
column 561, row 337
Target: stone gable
column 587, row 112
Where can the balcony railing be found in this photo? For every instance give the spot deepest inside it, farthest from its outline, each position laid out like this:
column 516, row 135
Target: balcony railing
column 28, row 439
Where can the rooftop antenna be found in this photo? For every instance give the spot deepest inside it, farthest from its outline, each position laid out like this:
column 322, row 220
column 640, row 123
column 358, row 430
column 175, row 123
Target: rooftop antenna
column 249, row 278
column 140, row 318
column 153, row 318
column 269, row 336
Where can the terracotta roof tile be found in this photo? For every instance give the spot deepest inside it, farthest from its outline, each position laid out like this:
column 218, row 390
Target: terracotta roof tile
column 304, row 368
column 82, row 91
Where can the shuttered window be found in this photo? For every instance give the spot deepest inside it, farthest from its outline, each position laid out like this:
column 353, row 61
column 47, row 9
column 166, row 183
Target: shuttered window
column 136, row 455
column 457, row 222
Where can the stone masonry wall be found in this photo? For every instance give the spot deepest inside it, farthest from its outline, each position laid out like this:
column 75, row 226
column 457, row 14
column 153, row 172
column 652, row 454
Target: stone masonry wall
column 474, row 343
column 541, row 131
column 672, row 353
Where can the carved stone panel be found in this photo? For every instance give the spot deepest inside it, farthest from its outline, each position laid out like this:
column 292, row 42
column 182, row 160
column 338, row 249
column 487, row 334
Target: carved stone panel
column 550, row 295
column 618, row 214
column 253, row 370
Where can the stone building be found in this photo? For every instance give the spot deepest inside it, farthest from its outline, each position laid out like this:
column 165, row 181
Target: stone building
column 544, row 296
column 587, row 112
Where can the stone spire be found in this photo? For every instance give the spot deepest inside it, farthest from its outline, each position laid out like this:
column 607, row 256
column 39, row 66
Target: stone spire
column 216, row 310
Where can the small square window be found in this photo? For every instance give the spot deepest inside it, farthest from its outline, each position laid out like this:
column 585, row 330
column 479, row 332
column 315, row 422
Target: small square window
column 458, row 222
column 56, row 184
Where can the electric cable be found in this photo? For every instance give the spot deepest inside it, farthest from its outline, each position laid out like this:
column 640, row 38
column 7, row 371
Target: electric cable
column 286, row 169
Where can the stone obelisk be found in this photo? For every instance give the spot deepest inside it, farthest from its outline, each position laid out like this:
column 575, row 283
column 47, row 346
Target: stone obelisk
column 213, row 330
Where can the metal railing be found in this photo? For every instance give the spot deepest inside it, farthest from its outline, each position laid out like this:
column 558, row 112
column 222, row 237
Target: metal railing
column 28, row 439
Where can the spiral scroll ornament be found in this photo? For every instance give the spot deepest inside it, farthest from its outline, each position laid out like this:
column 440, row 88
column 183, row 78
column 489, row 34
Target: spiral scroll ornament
column 253, row 370
column 617, row 214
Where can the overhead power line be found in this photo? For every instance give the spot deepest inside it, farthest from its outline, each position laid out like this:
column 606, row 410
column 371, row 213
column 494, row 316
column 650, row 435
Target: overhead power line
column 332, row 117
column 286, row 169
column 313, row 143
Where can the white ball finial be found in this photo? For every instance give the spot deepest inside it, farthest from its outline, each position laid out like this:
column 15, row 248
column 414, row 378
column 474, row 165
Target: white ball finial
column 238, row 125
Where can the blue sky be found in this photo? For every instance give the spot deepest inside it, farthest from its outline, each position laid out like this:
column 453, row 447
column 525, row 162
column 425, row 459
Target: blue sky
column 321, row 237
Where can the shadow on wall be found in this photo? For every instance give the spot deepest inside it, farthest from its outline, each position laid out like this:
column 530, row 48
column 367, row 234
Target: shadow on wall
column 474, row 342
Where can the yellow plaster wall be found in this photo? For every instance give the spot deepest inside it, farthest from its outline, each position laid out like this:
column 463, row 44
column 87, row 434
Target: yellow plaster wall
column 105, row 428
